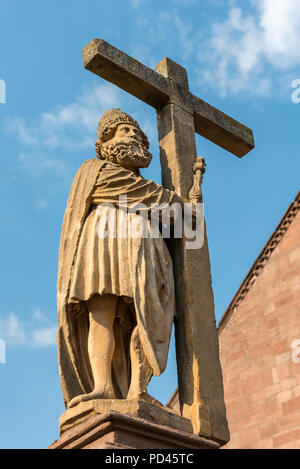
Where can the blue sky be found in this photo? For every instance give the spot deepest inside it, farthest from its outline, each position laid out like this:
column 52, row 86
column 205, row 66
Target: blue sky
column 241, row 56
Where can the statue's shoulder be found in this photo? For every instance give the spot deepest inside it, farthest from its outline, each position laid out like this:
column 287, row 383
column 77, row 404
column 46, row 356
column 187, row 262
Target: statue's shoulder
column 86, row 176
column 90, row 166
column 91, row 163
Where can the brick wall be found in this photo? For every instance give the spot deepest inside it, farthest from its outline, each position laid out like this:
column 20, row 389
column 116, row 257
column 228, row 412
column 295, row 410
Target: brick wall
column 261, row 382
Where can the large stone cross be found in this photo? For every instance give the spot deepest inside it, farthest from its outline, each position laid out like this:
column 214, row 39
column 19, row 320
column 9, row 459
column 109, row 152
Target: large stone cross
column 180, row 114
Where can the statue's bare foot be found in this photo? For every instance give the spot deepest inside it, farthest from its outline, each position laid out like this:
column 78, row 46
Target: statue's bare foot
column 90, row 396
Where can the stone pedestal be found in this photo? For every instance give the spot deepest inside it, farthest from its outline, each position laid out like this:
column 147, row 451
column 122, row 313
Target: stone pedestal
column 121, row 424
column 112, row 430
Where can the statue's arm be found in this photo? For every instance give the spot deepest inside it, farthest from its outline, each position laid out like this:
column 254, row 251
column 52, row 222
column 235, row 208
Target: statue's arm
column 112, row 184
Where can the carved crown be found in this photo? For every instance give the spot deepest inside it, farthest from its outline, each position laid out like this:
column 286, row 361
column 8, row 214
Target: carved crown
column 109, row 121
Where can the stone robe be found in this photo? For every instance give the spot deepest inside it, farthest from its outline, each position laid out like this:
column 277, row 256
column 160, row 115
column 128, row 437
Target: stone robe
column 133, row 266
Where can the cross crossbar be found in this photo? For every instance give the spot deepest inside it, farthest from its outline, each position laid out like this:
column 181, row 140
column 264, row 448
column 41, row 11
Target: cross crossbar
column 156, row 90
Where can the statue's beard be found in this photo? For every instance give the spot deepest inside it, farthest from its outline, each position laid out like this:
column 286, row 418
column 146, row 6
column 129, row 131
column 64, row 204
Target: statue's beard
column 131, row 154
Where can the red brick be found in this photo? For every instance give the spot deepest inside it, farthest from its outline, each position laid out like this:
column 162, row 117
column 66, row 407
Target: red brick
column 269, row 428
column 288, row 421
column 286, row 437
column 260, row 349
column 288, row 383
column 281, row 372
column 294, row 369
column 284, row 396
column 273, row 323
column 235, row 356
column 266, row 392
column 290, row 406
column 280, row 346
column 249, row 436
column 263, row 443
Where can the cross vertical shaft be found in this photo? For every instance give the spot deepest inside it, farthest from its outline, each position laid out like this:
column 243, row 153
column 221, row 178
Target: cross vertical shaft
column 199, row 379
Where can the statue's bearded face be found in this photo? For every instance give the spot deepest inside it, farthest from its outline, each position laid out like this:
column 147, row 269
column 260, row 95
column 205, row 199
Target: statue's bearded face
column 127, row 148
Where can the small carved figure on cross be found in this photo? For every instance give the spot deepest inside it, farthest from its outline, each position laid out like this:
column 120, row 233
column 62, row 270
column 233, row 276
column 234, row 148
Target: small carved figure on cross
column 195, row 194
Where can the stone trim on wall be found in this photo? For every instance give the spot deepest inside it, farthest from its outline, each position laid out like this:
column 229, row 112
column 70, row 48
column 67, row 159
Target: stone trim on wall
column 261, row 260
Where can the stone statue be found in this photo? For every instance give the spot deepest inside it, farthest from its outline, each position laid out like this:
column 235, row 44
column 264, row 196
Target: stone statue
column 116, row 295
column 116, row 300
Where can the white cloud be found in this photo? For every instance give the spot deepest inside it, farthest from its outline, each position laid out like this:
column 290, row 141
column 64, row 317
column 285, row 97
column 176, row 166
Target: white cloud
column 12, row 330
column 159, row 33
column 280, row 30
column 183, row 32
column 17, row 125
column 37, row 314
column 72, row 126
column 45, row 336
column 252, row 50
column 34, row 164
column 38, row 331
column 40, row 204
column 136, row 3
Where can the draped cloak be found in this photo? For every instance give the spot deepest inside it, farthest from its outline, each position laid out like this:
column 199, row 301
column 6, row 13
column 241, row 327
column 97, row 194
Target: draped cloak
column 148, row 278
